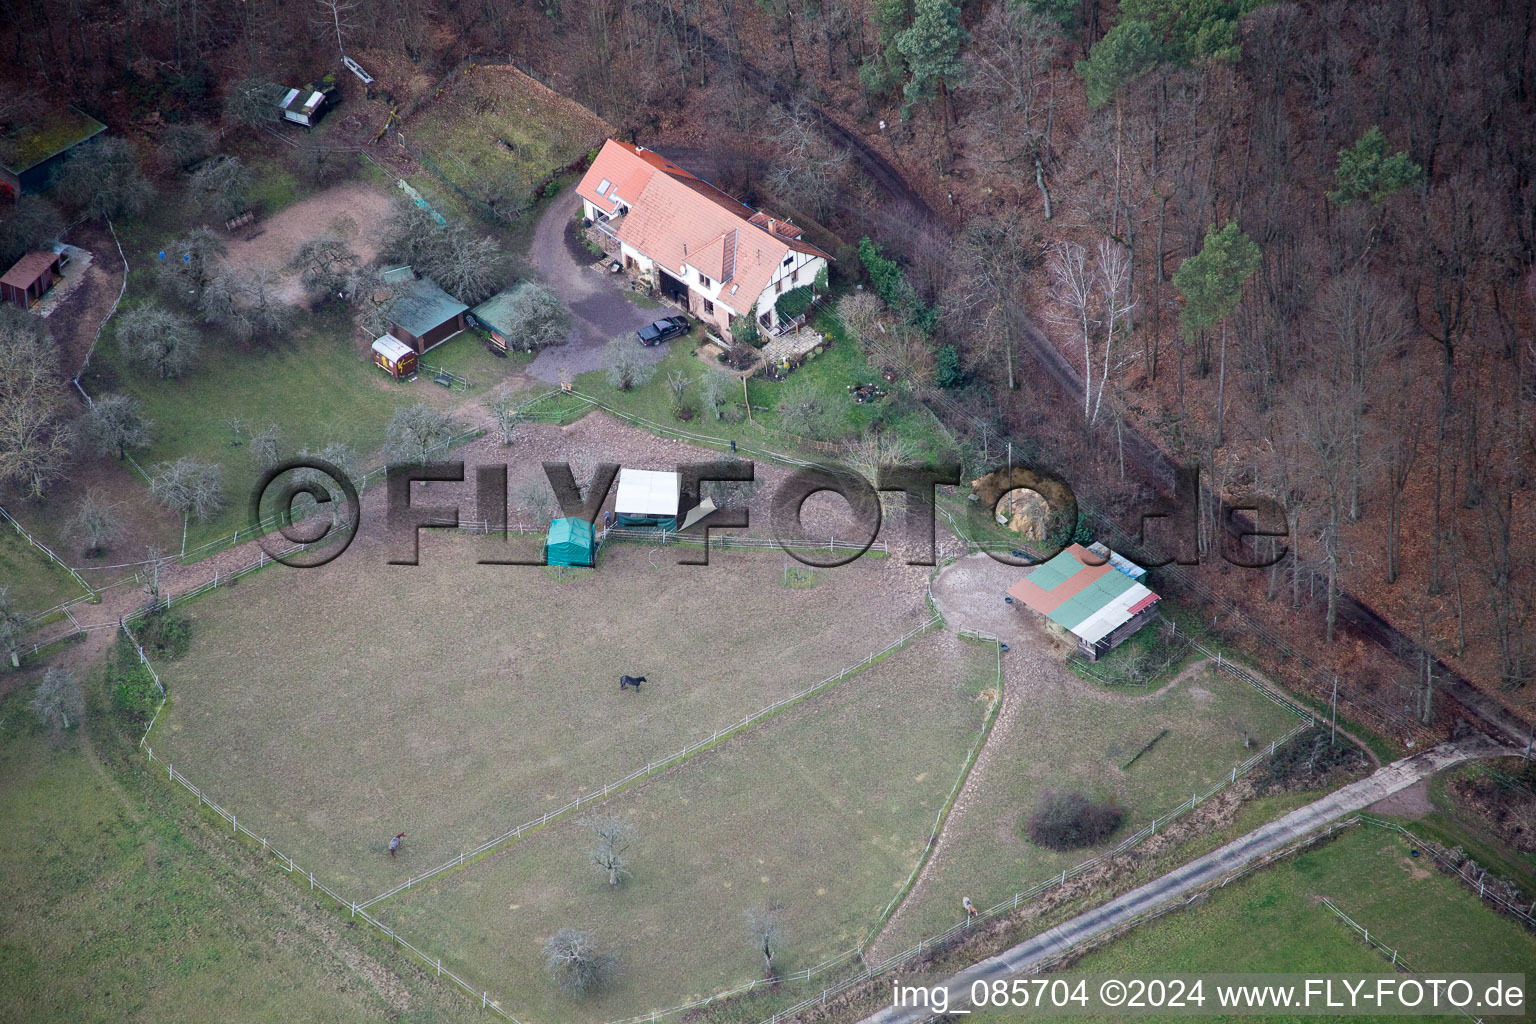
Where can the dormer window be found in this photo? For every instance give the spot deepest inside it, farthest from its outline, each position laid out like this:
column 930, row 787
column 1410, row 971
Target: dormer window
column 703, row 280
column 603, row 187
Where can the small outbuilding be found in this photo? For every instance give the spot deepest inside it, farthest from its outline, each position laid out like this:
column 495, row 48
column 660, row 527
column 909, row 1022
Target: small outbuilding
column 306, row 104
column 37, row 151
column 1096, row 596
column 570, row 542
column 494, row 317
column 648, row 499
column 394, row 356
column 30, row 278
column 425, row 316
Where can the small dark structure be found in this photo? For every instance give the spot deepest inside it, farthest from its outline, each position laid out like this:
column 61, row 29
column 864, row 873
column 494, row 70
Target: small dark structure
column 307, row 104
column 30, row 279
column 31, row 156
column 426, row 316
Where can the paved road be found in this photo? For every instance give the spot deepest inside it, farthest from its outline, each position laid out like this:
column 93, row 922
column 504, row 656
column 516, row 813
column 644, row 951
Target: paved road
column 1212, row 867
column 599, row 310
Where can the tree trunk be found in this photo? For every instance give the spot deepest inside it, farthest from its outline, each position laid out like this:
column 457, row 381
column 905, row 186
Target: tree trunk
column 1221, row 386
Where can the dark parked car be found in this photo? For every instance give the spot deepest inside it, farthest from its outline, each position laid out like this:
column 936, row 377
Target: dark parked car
column 662, row 330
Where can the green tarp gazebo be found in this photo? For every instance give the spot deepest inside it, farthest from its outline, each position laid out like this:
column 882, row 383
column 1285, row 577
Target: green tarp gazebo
column 570, row 542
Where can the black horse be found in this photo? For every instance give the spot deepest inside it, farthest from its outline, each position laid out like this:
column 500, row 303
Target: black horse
column 627, row 681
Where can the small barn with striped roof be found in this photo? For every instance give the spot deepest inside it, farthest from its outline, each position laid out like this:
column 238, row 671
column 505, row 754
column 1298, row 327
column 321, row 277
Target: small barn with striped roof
column 1095, row 594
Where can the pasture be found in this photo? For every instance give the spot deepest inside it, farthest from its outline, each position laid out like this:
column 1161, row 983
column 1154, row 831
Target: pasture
column 122, row 904
column 35, row 581
column 1073, row 734
column 332, row 708
column 1273, row 921
column 825, row 808
column 496, row 133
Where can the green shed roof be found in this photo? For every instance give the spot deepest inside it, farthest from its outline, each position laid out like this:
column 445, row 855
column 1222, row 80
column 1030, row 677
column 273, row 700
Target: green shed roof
column 1091, row 598
column 31, row 144
column 1056, row 571
column 496, row 311
column 424, row 306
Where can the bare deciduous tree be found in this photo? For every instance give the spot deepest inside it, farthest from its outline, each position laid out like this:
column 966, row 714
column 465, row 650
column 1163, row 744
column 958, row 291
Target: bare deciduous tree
column 327, row 266
column 765, row 929
column 415, row 432
column 36, row 442
column 58, row 697
column 13, row 625
column 187, row 486
column 626, row 369
column 97, row 522
column 157, row 339
column 575, row 963
column 266, row 446
column 117, row 423
column 611, row 837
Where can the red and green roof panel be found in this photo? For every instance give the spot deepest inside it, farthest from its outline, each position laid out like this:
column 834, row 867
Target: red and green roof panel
column 1084, row 592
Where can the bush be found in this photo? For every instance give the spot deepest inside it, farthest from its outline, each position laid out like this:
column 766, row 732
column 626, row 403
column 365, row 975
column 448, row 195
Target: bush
column 134, row 693
column 165, row 636
column 794, row 302
column 950, row 375
column 1068, row 821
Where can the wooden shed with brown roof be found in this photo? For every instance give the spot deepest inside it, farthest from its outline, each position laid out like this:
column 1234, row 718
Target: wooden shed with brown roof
column 30, row 279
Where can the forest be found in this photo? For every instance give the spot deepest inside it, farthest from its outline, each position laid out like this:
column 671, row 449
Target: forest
column 1291, row 243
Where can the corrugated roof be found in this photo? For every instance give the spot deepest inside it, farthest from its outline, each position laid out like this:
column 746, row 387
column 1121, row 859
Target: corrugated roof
column 423, row 306
column 1082, row 591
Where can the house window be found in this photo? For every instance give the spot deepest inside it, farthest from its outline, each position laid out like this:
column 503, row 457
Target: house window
column 703, row 280
column 778, row 286
column 709, row 308
column 795, row 277
column 603, row 187
column 789, row 259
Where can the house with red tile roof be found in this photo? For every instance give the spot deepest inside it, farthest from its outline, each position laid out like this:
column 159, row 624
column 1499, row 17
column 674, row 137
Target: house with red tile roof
column 698, row 246
column 1093, row 593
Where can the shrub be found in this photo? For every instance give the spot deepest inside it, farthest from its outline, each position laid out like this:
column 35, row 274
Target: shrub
column 1067, row 821
column 164, row 635
column 950, row 375
column 794, row 302
column 134, row 693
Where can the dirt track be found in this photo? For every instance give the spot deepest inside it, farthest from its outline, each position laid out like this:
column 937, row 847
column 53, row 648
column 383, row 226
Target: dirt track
column 273, row 240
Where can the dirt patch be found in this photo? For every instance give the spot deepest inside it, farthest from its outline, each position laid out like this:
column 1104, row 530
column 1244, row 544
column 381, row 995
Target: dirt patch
column 1412, row 802
column 273, row 241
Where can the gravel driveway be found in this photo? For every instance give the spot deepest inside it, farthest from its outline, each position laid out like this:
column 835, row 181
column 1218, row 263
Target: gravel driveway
column 598, row 308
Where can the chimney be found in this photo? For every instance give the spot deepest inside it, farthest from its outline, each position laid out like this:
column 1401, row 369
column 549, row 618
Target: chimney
column 771, row 223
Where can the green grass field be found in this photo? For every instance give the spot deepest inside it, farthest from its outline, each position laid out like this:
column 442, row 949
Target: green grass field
column 1273, row 921
column 313, row 385
column 35, row 581
column 494, row 126
column 332, row 708
column 1078, row 738
column 121, row 905
column 825, row 808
